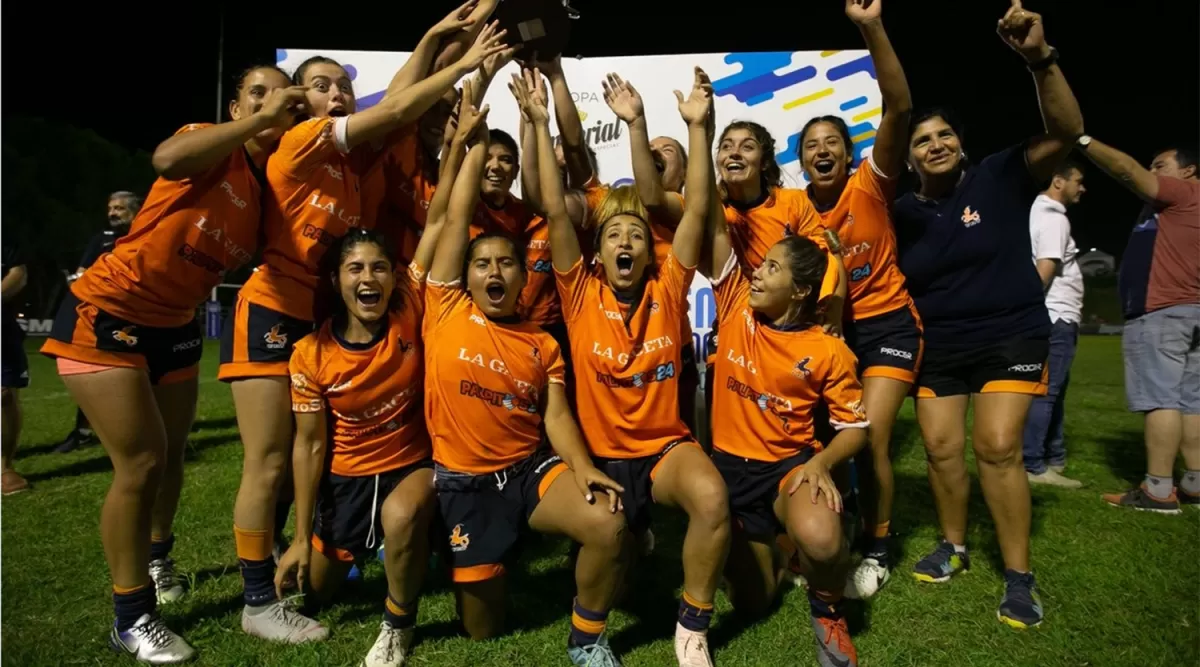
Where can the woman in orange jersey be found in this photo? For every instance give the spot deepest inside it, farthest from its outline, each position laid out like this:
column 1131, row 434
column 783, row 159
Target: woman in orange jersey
column 882, row 328
column 493, row 384
column 127, row 342
column 623, row 322
column 323, row 177
column 774, row 365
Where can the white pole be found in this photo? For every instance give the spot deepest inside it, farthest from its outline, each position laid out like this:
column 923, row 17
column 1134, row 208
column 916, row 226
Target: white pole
column 220, row 64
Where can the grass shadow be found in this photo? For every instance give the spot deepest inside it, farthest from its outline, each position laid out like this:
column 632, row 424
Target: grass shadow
column 1125, row 453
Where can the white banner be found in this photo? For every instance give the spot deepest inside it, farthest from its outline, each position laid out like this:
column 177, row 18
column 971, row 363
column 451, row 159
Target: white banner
column 781, row 90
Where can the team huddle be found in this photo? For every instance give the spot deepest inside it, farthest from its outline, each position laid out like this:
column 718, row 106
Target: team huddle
column 427, row 363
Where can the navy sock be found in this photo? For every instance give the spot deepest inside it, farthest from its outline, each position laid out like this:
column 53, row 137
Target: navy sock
column 878, row 549
column 258, row 582
column 131, row 606
column 398, row 615
column 159, row 550
column 693, row 615
column 586, row 625
column 824, row 605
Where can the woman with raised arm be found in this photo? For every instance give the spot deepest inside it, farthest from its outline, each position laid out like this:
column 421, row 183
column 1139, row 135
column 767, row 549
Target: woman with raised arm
column 623, row 322
column 964, row 248
column 494, row 385
column 774, row 365
column 128, row 346
column 323, row 178
column 882, row 326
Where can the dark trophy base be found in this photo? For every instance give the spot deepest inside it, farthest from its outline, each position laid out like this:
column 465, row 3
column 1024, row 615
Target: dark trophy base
column 537, row 26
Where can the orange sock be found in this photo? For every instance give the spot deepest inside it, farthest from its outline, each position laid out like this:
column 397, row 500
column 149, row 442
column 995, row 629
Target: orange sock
column 253, row 544
column 881, row 529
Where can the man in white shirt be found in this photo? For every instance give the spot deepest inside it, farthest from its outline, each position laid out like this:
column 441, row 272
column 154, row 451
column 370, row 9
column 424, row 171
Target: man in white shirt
column 1054, row 254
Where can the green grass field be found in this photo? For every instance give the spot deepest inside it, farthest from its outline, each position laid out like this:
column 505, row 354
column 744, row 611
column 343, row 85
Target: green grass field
column 1120, row 587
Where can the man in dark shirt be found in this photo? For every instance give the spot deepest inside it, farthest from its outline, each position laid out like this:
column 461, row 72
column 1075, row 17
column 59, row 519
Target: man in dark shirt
column 14, row 367
column 1160, row 294
column 122, row 207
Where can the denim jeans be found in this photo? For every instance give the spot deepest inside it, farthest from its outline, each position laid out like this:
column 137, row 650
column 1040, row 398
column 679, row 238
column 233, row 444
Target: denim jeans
column 1044, row 444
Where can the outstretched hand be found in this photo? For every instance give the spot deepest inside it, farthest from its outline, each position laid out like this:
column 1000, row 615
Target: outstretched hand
column 697, row 107
column 622, row 98
column 530, row 91
column 472, row 121
column 862, row 11
column 457, row 20
column 1024, row 32
column 489, row 42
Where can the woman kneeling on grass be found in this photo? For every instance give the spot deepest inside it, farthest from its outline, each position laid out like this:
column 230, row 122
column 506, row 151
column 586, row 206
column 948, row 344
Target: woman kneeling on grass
column 774, row 364
column 494, row 383
column 358, row 380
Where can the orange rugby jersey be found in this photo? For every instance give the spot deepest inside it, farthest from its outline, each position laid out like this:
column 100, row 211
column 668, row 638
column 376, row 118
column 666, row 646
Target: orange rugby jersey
column 181, row 243
column 863, row 223
column 627, row 364
column 317, row 193
column 485, row 383
column 373, row 392
column 409, row 188
column 785, row 212
column 539, row 300
column 664, row 236
column 767, row 381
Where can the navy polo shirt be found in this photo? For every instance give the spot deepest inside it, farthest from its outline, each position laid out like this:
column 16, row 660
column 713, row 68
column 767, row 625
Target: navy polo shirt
column 966, row 257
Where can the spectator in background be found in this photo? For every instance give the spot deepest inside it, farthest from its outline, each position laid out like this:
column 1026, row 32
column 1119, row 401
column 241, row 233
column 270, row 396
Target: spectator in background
column 14, row 368
column 1160, row 293
column 122, row 206
column 1054, row 255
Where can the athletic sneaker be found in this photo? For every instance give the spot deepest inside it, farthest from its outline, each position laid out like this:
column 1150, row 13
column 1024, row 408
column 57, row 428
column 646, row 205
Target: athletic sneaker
column 1186, row 498
column 281, row 622
column 691, row 648
column 151, row 641
column 1021, row 607
column 834, row 648
column 593, row 655
column 168, row 586
column 1052, row 477
column 391, row 647
column 1142, row 501
column 942, row 564
column 866, row 579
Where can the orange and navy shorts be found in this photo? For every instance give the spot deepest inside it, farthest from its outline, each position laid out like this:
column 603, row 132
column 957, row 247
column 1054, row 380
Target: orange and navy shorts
column 86, row 334
column 483, row 515
column 257, row 342
column 754, row 486
column 888, row 345
column 637, row 477
column 1018, row 366
column 349, row 523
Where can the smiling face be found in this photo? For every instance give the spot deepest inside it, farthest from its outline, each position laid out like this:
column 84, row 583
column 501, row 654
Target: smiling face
column 670, row 162
column 825, row 157
column 772, row 289
column 739, row 158
column 625, row 246
column 252, row 92
column 500, row 171
column 365, row 279
column 330, row 92
column 495, row 276
column 934, row 150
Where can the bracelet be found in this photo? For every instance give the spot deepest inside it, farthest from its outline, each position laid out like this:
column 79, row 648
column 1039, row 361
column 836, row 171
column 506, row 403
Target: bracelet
column 1044, row 63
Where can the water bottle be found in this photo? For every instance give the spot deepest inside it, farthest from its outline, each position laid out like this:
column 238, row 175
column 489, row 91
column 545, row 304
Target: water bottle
column 212, row 319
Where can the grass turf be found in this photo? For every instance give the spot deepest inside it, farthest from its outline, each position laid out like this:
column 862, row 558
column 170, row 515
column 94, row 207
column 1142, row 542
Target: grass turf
column 1119, row 587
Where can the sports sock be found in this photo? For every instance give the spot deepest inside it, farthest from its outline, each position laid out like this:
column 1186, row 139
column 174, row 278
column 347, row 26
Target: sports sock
column 161, row 548
column 1190, row 482
column 130, row 604
column 586, row 625
column 825, row 605
column 1159, row 488
column 258, row 569
column 693, row 615
column 400, row 616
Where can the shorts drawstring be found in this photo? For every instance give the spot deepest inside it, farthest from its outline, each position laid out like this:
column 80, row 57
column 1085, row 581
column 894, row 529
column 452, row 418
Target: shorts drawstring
column 501, row 481
column 374, row 510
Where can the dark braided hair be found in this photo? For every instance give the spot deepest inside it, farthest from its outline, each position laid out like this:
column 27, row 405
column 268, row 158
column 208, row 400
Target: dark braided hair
column 328, row 302
column 808, row 263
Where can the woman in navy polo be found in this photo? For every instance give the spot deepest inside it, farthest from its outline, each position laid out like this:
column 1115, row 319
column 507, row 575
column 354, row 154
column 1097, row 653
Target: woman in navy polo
column 964, row 247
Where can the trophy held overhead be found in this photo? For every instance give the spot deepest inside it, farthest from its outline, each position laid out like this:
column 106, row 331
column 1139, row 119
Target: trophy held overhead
column 541, row 26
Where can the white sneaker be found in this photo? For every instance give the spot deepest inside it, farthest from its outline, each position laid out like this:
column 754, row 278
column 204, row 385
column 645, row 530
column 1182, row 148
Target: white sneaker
column 280, row 622
column 168, row 587
column 151, row 641
column 1059, row 469
column 691, row 648
column 646, row 540
column 1052, row 478
column 391, row 647
column 866, row 579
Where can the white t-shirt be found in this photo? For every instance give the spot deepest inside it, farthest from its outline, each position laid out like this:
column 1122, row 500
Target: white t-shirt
column 1050, row 232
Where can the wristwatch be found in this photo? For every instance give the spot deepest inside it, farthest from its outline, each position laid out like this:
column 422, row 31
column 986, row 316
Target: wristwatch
column 1044, row 62
column 1083, row 141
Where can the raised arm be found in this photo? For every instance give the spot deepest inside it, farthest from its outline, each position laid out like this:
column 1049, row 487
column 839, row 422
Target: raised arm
column 530, row 92
column 1024, row 32
column 696, row 111
column 407, row 105
column 531, row 187
column 890, row 140
column 570, row 128
column 447, row 263
column 626, row 103
column 719, row 243
column 457, row 23
column 191, row 153
column 486, row 73
column 439, row 206
column 1136, row 178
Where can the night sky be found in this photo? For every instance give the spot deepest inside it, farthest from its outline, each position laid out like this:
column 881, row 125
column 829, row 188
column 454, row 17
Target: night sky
column 135, row 75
